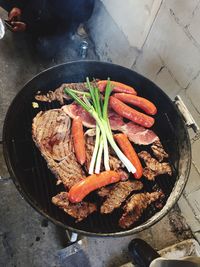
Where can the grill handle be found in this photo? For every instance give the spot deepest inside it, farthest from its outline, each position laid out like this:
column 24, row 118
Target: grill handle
column 189, row 120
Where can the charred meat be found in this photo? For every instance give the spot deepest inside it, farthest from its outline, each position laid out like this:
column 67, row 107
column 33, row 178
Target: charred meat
column 159, row 151
column 105, row 191
column 135, row 206
column 51, row 134
column 58, row 94
column 153, row 167
column 79, row 211
column 118, row 194
column 149, row 174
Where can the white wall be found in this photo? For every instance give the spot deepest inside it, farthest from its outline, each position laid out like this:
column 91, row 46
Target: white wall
column 160, row 40
column 129, row 15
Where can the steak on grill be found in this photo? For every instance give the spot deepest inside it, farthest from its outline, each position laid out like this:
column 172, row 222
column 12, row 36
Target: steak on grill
column 51, row 134
column 78, row 211
column 118, row 194
column 135, row 206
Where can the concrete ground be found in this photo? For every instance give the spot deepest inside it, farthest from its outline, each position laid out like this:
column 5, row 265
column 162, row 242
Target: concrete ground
column 28, row 239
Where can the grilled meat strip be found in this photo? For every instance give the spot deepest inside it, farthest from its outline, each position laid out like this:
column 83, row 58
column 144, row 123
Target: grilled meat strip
column 118, row 194
column 105, row 191
column 59, row 93
column 135, row 206
column 79, row 211
column 149, row 174
column 159, row 151
column 51, row 134
column 154, row 168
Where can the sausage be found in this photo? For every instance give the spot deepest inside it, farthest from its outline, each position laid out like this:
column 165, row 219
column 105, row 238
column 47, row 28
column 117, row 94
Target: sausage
column 91, row 183
column 137, row 101
column 117, row 87
column 78, row 140
column 130, row 153
column 130, row 113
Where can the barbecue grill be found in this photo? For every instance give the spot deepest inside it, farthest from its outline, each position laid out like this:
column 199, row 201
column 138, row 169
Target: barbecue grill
column 35, row 181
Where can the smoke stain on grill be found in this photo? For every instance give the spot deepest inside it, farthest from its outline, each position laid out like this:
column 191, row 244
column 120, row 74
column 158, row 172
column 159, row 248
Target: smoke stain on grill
column 178, row 225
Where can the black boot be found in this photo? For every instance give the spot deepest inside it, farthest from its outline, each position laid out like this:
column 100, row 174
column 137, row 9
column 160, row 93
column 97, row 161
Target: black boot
column 141, row 253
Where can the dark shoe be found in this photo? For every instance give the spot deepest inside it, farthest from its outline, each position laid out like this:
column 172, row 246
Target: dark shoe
column 141, row 253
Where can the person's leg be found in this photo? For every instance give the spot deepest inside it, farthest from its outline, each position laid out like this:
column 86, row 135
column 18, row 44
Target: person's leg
column 7, row 5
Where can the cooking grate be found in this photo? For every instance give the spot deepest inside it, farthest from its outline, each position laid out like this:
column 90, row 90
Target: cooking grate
column 29, row 170
column 38, row 180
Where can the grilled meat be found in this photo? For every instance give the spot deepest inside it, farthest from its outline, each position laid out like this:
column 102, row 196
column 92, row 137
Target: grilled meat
column 154, row 168
column 73, row 110
column 51, row 133
column 59, row 94
column 159, row 151
column 118, row 194
column 79, row 211
column 135, row 206
column 149, row 174
column 138, row 134
column 105, row 191
column 115, row 163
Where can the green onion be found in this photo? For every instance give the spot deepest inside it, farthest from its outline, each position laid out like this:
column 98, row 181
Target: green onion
column 78, row 100
column 99, row 156
column 95, row 152
column 80, row 92
column 104, row 134
column 106, row 99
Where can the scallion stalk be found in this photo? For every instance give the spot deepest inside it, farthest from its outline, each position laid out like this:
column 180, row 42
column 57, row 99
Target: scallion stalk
column 103, row 129
column 95, row 151
column 99, row 156
column 80, row 92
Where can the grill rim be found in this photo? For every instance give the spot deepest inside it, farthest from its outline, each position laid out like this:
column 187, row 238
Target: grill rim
column 150, row 222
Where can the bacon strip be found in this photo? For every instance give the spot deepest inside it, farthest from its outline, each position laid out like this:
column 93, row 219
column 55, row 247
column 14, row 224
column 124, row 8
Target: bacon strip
column 73, row 110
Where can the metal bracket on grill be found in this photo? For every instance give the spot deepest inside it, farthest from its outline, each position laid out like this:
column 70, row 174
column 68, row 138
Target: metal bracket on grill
column 189, row 120
column 73, row 237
